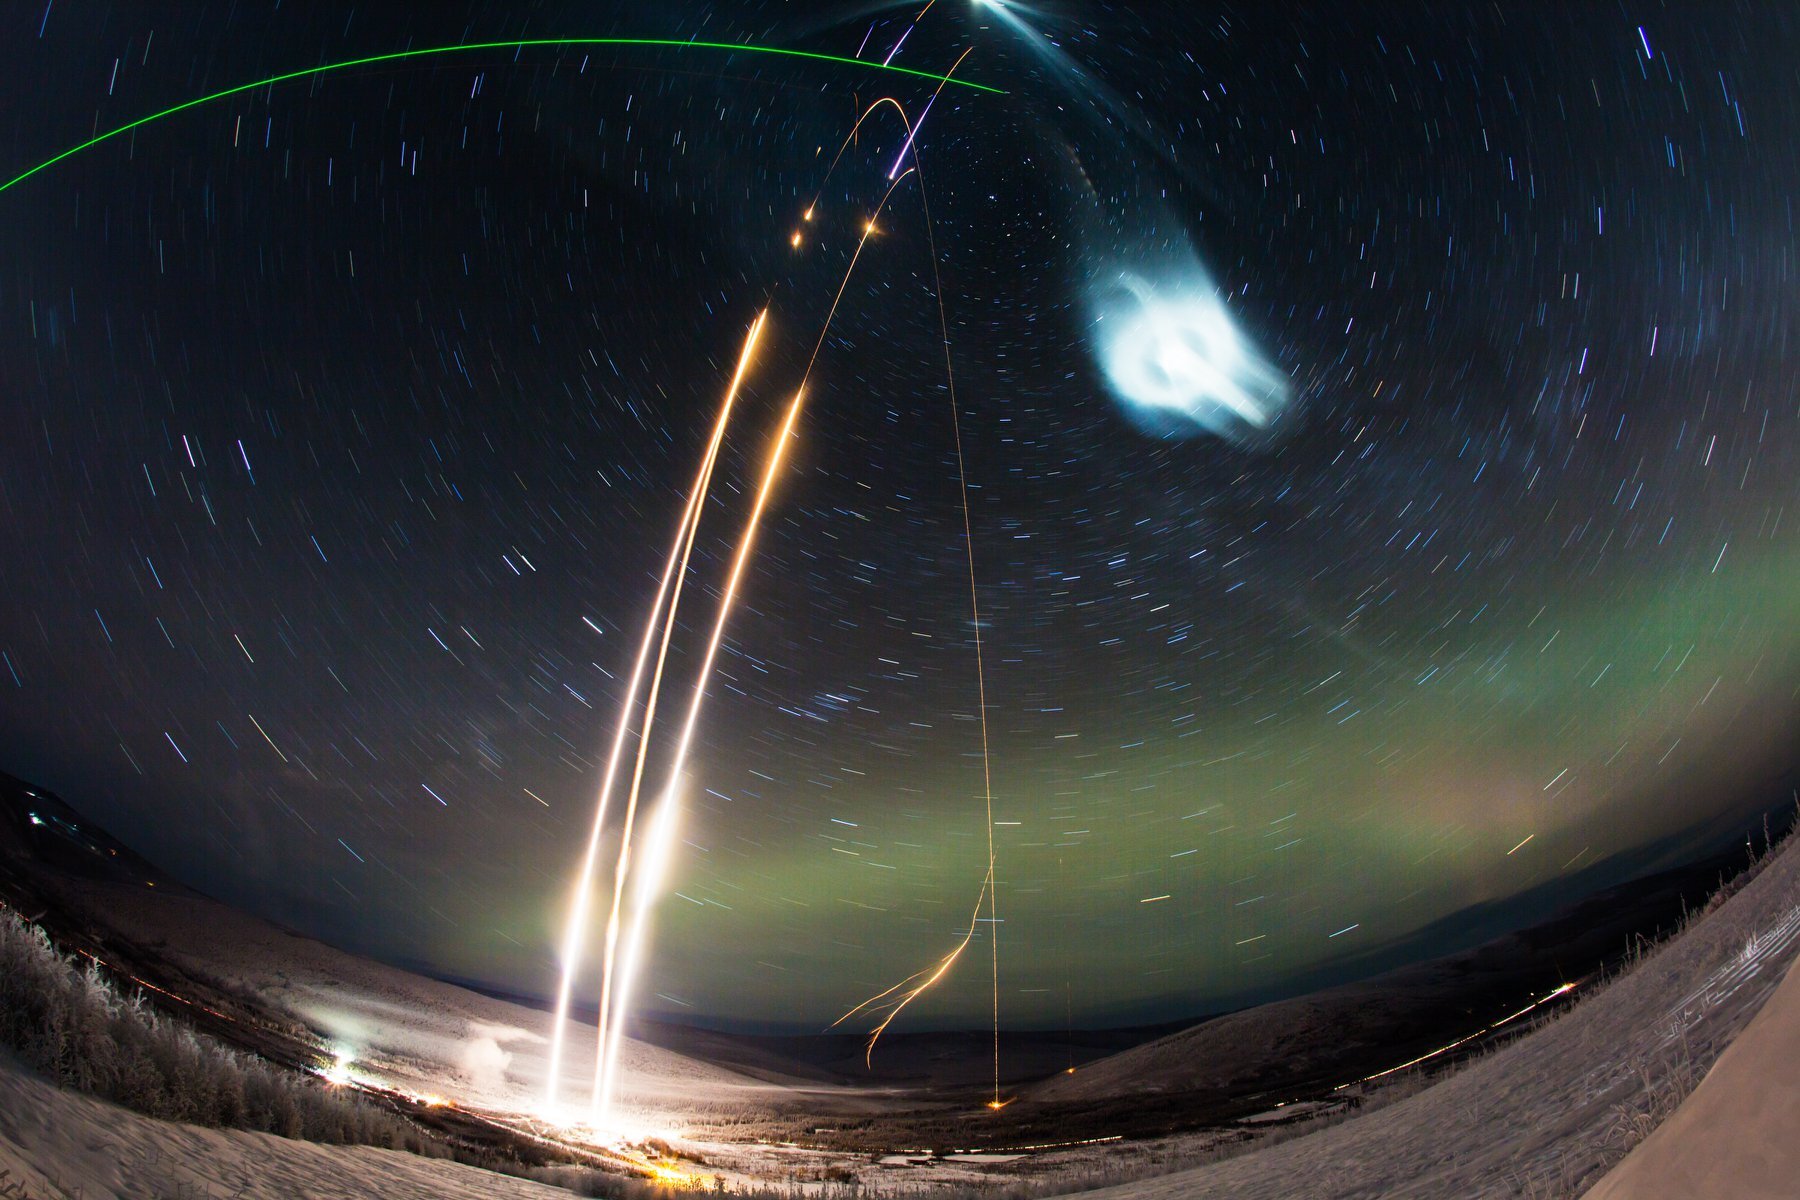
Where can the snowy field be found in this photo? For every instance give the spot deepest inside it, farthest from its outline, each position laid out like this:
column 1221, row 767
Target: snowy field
column 55, row 1145
column 411, row 1034
column 1546, row 1115
column 1543, row 1116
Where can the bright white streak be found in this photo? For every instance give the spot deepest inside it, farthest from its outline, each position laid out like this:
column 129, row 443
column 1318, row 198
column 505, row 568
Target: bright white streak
column 623, row 867
column 911, row 134
column 611, row 1035
column 898, row 44
column 614, row 1032
column 574, row 933
column 650, row 873
column 1079, row 81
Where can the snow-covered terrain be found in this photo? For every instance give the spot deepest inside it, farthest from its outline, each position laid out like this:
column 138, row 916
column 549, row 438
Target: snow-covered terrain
column 1734, row 1137
column 57, row 1145
column 407, row 1032
column 1544, row 1116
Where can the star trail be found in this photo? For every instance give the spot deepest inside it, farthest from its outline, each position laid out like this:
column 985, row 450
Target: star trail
column 358, row 363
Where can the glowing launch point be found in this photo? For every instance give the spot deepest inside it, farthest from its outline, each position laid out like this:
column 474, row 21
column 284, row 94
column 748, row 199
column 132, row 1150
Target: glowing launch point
column 338, row 1074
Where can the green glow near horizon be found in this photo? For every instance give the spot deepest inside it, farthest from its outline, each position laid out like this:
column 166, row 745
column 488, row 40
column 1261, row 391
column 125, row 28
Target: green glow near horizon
column 398, row 55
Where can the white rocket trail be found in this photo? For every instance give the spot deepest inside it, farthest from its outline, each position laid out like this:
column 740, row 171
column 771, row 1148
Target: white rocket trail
column 574, row 932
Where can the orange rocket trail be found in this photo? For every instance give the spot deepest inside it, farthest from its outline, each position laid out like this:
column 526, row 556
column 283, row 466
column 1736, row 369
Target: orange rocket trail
column 611, row 1010
column 845, row 145
column 612, row 1032
column 992, row 884
column 933, row 974
column 616, row 983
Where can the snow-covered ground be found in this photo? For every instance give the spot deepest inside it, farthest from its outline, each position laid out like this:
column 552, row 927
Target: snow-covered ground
column 57, row 1145
column 1544, row 1116
column 1734, row 1137
column 412, row 1034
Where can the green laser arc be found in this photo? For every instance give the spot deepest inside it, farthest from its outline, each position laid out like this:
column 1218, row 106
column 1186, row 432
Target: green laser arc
column 466, row 47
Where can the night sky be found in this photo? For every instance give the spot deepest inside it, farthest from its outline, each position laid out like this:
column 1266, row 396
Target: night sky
column 345, row 423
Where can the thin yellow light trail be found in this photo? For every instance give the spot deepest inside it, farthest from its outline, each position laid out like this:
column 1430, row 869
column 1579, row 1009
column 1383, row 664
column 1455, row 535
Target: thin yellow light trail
column 944, row 964
column 850, row 137
column 992, row 886
column 574, row 933
column 874, row 1000
column 989, row 887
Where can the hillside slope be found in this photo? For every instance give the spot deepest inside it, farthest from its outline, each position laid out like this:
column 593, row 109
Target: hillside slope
column 63, row 1146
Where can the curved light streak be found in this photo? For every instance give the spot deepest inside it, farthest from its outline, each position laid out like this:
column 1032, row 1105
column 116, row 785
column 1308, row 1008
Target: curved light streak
column 851, row 137
column 992, row 884
column 989, row 887
column 470, row 47
column 933, row 974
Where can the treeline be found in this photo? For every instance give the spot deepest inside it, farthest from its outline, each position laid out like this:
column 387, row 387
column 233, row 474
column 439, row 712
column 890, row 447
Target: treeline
column 67, row 1020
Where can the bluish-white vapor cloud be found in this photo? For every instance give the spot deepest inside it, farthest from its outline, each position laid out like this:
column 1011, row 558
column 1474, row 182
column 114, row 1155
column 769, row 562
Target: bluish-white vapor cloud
column 1164, row 341
column 1172, row 355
